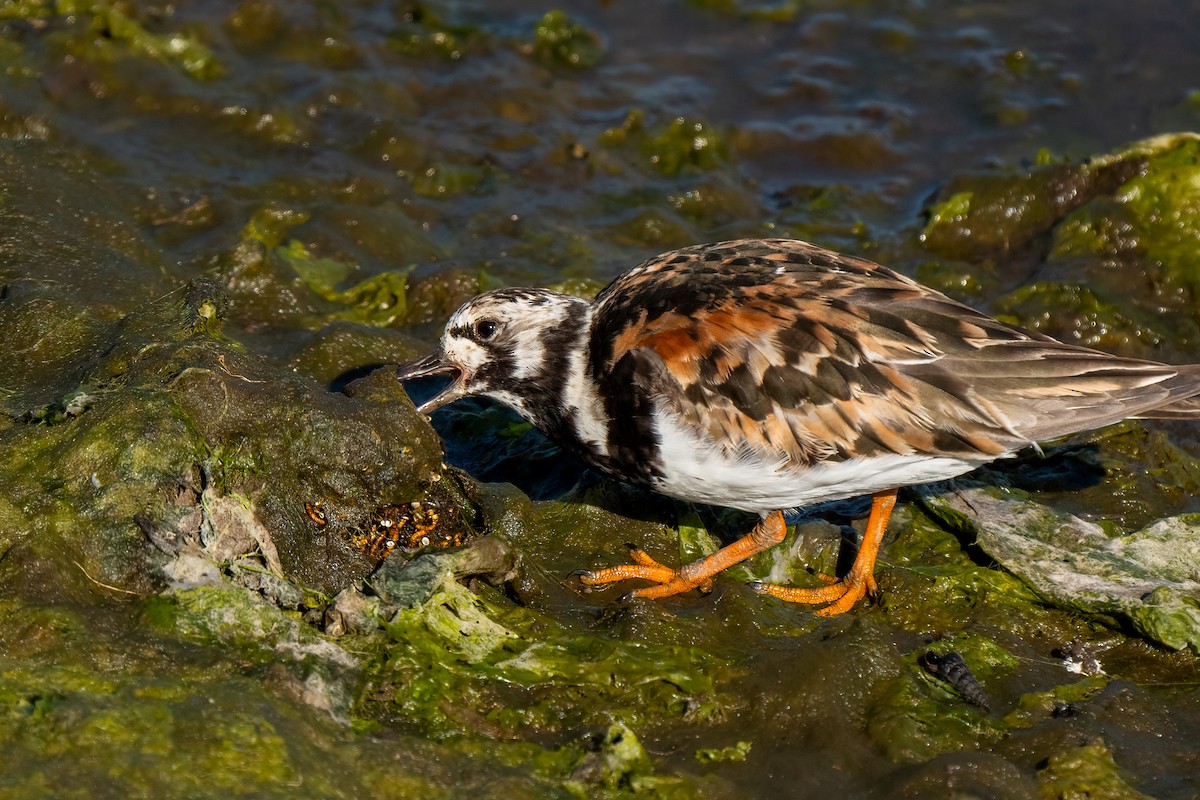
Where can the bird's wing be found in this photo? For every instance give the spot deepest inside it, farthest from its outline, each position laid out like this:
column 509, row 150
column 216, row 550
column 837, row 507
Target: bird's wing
column 779, row 346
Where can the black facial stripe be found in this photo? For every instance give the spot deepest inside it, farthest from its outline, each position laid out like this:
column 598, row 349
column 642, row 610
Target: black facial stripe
column 498, row 369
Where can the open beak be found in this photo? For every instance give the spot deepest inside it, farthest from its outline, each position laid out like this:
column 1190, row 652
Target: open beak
column 435, row 365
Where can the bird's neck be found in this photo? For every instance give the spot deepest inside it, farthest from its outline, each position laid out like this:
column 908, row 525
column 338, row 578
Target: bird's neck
column 552, row 386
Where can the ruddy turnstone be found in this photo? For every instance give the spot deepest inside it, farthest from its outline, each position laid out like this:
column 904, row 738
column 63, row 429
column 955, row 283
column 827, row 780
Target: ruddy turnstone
column 768, row 374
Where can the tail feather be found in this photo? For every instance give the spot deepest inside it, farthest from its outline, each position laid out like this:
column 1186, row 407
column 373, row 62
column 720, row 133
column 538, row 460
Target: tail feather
column 1188, row 408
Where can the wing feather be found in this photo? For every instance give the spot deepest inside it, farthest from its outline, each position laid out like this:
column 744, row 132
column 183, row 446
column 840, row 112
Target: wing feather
column 782, row 347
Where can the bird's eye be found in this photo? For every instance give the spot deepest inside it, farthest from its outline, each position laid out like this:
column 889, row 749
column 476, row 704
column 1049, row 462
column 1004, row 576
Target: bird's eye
column 486, row 328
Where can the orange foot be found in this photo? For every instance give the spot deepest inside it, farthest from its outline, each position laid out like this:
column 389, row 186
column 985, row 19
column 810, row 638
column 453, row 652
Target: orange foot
column 667, row 581
column 695, row 575
column 841, row 595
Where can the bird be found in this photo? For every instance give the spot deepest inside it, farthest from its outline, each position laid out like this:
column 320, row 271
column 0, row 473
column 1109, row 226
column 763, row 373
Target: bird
column 771, row 374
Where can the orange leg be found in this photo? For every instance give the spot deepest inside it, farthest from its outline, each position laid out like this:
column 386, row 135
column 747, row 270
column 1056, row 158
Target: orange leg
column 860, row 581
column 696, row 575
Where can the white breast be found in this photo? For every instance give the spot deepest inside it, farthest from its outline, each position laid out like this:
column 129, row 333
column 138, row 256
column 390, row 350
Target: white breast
column 696, row 469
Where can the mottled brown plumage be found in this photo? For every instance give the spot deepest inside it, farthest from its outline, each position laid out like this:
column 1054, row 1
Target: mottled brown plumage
column 770, row 374
column 782, row 345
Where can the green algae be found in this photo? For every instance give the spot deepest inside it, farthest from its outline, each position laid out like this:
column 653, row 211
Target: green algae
column 1086, row 771
column 910, row 726
column 679, row 146
column 685, row 144
column 267, row 264
column 558, row 39
column 423, row 32
column 1136, row 205
column 445, row 180
column 734, row 752
column 181, row 50
column 1161, row 205
column 379, row 300
column 106, row 31
column 1076, row 313
column 459, row 644
column 1034, row 707
column 915, row 716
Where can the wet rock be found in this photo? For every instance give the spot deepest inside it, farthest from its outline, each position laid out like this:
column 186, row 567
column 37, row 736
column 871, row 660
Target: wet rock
column 352, row 612
column 309, row 667
column 964, row 775
column 346, row 351
column 1087, row 771
column 1148, row 578
column 1084, row 234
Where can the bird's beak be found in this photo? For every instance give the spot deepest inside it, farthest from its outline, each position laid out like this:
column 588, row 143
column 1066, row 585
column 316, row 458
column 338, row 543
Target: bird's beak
column 435, row 364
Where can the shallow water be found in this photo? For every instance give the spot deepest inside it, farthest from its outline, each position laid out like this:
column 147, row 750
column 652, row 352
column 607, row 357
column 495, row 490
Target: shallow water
column 292, row 152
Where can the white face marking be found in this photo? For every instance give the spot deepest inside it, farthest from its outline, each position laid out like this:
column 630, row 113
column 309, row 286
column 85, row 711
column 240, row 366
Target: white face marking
column 529, row 351
column 464, row 352
column 699, row 471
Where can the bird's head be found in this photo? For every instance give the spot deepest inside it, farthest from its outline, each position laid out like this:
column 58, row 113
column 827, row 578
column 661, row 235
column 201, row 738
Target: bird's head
column 508, row 344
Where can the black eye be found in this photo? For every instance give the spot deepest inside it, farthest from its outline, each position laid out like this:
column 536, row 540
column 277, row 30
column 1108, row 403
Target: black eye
column 486, row 328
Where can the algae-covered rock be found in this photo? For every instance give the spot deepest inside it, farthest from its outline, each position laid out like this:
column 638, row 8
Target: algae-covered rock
column 977, row 217
column 310, row 668
column 1122, row 219
column 1087, row 771
column 457, row 659
column 1148, row 578
column 132, row 426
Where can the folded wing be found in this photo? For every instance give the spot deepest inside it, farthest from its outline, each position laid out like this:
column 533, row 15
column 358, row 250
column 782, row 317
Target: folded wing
column 782, row 347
